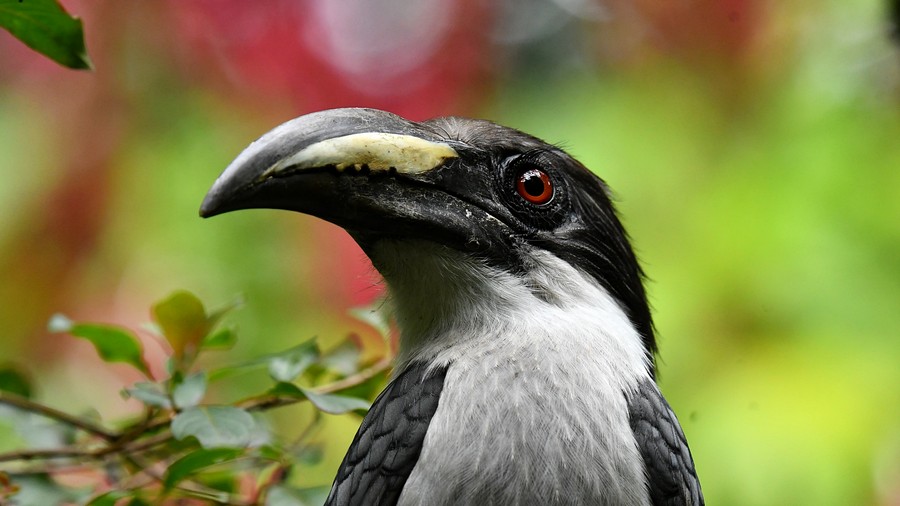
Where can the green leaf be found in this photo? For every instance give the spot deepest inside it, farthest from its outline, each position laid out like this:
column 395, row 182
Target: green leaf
column 262, row 431
column 195, row 461
column 367, row 389
column 190, row 391
column 336, row 404
column 183, row 321
column 287, row 390
column 110, row 498
column 272, row 452
column 343, row 359
column 288, row 364
column 39, row 432
column 151, row 394
column 41, row 490
column 280, row 495
column 215, row 426
column 43, row 25
column 222, row 339
column 328, row 403
column 308, row 454
column 217, row 315
column 223, row 481
column 113, row 344
column 235, row 369
column 14, row 381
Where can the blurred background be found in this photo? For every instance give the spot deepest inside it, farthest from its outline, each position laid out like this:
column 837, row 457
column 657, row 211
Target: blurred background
column 754, row 147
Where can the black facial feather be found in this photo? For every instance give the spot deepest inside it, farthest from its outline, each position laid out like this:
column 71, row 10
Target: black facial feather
column 596, row 242
column 579, row 225
column 469, row 201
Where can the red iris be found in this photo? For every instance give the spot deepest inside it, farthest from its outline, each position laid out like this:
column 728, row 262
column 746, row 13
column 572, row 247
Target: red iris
column 534, row 185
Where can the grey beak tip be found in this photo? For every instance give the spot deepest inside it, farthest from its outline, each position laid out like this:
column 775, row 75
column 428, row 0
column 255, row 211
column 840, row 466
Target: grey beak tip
column 209, row 207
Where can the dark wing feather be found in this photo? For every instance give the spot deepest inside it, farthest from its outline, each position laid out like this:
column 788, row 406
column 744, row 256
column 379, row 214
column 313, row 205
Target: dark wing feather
column 389, row 441
column 671, row 478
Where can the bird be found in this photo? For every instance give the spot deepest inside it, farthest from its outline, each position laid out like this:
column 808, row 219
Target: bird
column 526, row 366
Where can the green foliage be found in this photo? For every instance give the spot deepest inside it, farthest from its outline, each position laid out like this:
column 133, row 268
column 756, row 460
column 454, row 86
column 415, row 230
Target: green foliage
column 180, row 445
column 293, row 362
column 151, row 394
column 215, row 426
column 767, row 223
column 43, row 25
column 195, row 461
column 188, row 328
column 109, row 499
column 188, row 392
column 328, row 403
column 14, row 381
column 336, row 404
column 113, row 344
column 183, row 320
column 40, row 489
column 222, row 339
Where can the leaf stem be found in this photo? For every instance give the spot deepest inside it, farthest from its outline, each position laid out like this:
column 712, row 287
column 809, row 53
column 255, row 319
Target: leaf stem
column 267, row 402
column 355, row 379
column 48, row 453
column 123, row 442
column 55, row 414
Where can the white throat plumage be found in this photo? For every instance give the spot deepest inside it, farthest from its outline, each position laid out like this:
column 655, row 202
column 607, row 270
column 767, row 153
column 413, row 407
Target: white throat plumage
column 539, row 366
column 448, row 303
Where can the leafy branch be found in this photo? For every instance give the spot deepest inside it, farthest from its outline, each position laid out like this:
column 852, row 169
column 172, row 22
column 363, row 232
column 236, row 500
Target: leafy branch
column 23, row 403
column 179, row 446
column 43, row 25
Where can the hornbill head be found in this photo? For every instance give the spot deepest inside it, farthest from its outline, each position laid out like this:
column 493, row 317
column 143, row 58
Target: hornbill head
column 492, row 194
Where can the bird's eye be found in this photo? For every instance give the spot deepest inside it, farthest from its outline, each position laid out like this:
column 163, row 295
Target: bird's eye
column 535, row 186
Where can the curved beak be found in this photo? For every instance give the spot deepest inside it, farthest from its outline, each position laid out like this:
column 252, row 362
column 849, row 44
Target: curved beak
column 298, row 165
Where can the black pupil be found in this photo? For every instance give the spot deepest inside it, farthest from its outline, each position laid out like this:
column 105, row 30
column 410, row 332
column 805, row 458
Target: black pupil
column 533, row 183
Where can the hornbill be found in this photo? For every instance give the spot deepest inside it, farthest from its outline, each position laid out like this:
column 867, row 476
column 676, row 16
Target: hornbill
column 525, row 369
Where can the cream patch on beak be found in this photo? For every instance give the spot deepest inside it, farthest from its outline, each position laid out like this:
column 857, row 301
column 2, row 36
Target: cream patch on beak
column 407, row 154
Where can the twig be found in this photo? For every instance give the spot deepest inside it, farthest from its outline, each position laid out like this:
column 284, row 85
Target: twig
column 145, row 444
column 355, row 379
column 95, row 454
column 33, row 407
column 313, row 425
column 275, row 478
column 48, row 453
column 51, row 468
column 273, row 401
column 191, row 489
column 123, row 442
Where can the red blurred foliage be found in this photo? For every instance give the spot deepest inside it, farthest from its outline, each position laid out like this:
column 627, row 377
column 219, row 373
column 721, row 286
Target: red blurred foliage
column 418, row 60
column 60, row 229
column 722, row 29
column 726, row 45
